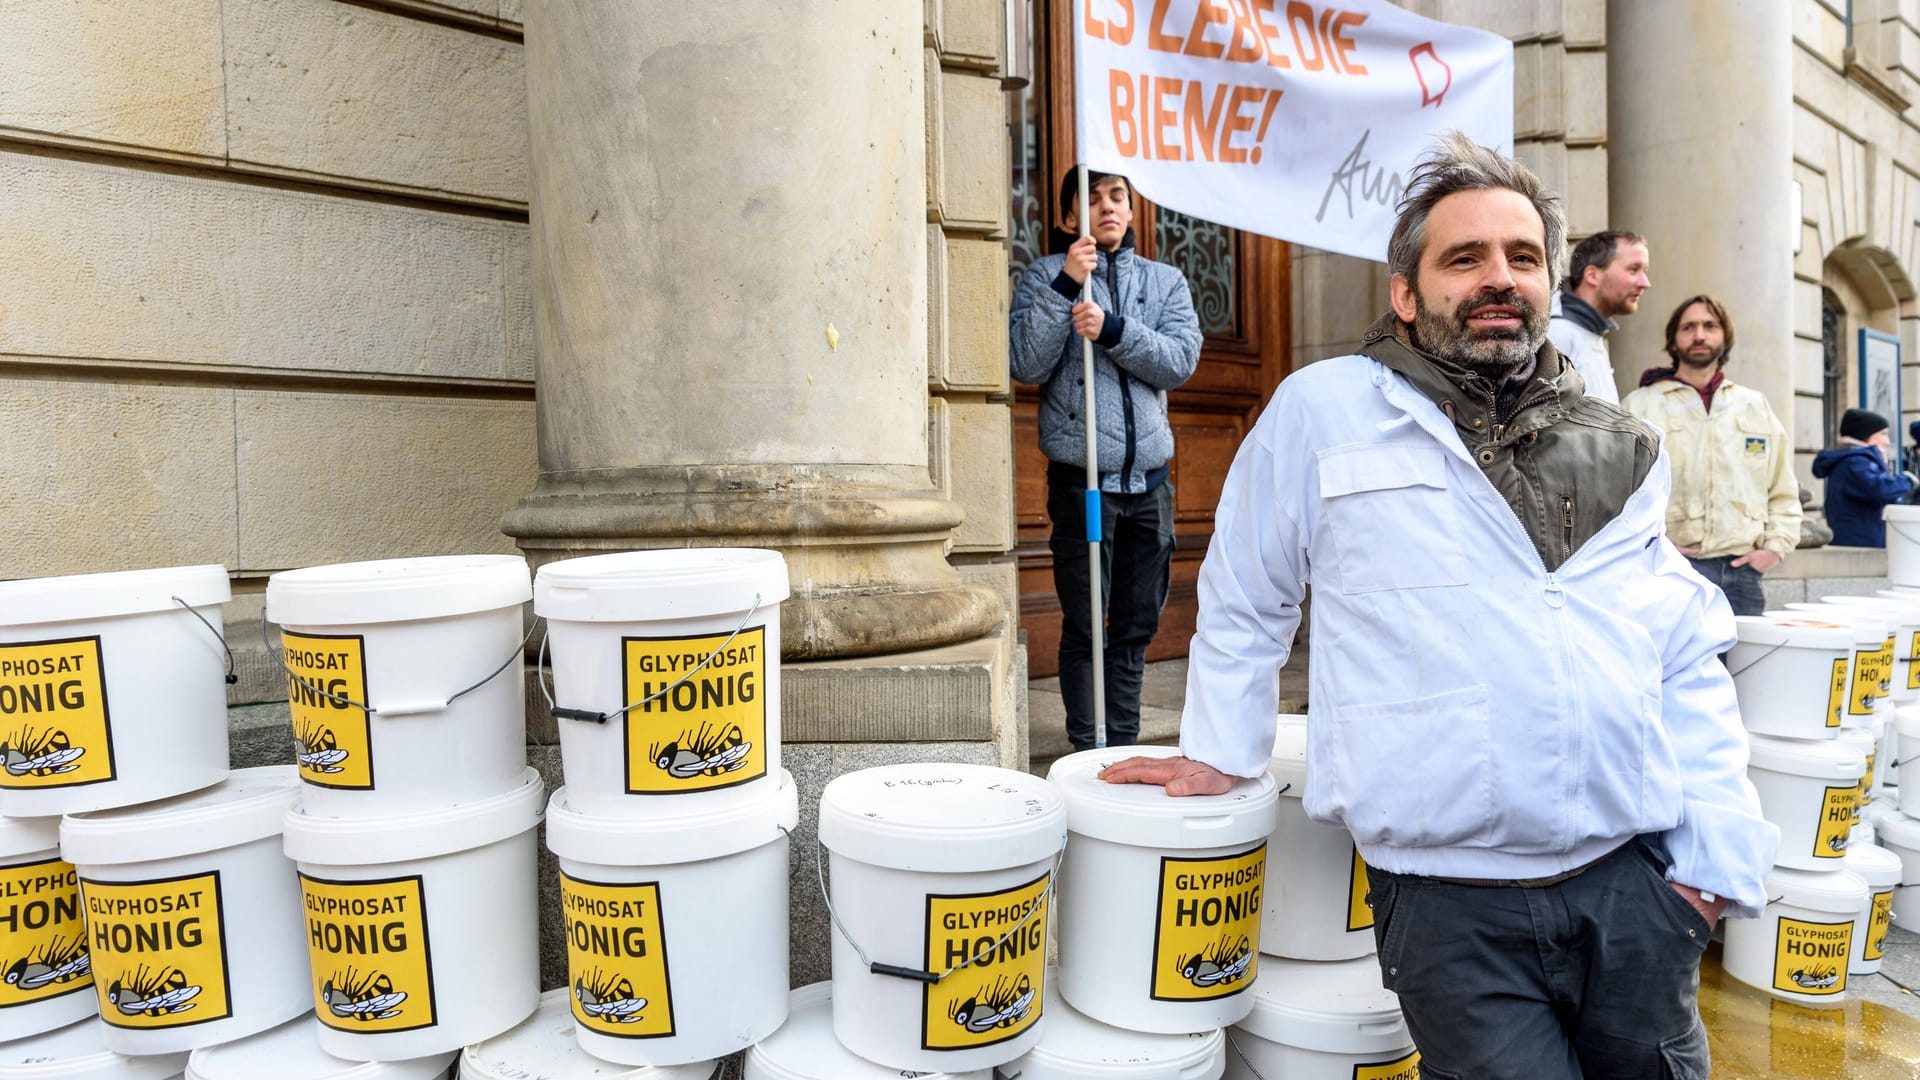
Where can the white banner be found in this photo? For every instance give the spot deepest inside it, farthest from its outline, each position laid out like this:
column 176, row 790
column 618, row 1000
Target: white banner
column 1297, row 120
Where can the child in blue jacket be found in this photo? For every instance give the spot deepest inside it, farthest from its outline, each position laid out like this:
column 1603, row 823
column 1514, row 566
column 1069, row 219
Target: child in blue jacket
column 1859, row 482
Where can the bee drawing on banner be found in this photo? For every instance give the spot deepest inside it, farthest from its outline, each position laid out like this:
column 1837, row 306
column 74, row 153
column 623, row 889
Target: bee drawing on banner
column 608, row 998
column 45, row 753
column 57, row 961
column 1003, row 1004
column 361, row 996
column 1224, row 961
column 1819, row 978
column 315, row 749
column 152, row 992
column 704, row 752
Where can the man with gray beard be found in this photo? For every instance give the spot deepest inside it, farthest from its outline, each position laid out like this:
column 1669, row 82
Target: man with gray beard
column 1517, row 704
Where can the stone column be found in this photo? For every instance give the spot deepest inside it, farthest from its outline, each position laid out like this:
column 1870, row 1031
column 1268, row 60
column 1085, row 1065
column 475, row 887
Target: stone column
column 730, row 304
column 1700, row 145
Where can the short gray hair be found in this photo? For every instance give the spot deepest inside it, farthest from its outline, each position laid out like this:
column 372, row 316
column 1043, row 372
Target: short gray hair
column 1458, row 164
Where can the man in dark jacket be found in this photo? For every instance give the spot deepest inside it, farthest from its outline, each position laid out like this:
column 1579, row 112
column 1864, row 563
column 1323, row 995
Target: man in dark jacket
column 1858, row 480
column 1140, row 316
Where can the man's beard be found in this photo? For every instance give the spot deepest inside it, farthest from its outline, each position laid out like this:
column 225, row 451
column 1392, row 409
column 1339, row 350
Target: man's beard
column 1493, row 352
column 1711, row 359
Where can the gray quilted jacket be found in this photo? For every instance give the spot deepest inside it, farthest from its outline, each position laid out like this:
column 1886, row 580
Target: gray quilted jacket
column 1152, row 347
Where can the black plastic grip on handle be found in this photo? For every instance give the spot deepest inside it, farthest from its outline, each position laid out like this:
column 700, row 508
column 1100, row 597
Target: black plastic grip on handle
column 899, row 972
column 579, row 714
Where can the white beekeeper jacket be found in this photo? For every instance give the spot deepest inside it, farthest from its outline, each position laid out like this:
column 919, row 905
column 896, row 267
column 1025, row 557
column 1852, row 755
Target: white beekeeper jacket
column 1472, row 715
column 1586, row 350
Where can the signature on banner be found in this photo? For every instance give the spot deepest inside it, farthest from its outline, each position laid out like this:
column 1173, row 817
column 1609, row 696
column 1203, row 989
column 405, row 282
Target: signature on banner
column 1376, row 183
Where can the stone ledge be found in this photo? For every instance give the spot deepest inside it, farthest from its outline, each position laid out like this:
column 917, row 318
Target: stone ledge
column 1832, row 562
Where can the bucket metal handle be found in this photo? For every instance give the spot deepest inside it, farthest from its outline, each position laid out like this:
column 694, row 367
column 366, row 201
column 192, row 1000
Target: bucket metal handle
column 914, row 974
column 1242, row 1054
column 389, row 710
column 217, row 636
column 540, row 667
column 1743, row 668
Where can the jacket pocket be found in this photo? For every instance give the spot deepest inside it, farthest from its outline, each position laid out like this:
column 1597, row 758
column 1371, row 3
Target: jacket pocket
column 1414, row 773
column 1387, row 510
column 1745, row 456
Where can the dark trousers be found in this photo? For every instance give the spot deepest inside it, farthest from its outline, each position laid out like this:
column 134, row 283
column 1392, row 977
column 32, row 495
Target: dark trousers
column 1136, row 552
column 1592, row 978
column 1741, row 584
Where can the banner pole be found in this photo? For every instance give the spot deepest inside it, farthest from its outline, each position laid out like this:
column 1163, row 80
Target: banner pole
column 1093, row 513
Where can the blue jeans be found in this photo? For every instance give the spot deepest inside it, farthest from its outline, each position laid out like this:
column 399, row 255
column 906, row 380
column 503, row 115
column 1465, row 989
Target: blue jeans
column 1741, row 584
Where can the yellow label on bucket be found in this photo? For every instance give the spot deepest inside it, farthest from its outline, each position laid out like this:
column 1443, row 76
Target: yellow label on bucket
column 998, row 996
column 1837, row 695
column 1206, row 938
column 1880, row 919
column 1837, row 813
column 1359, row 912
column 1872, row 674
column 159, row 950
column 1811, row 957
column 1406, row 1068
column 371, row 962
column 43, row 940
column 616, row 958
column 1866, row 781
column 710, row 729
column 53, row 715
column 332, row 740
column 1913, row 664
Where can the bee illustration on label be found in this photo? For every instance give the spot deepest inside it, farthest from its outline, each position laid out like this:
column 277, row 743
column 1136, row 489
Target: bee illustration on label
column 361, row 996
column 1819, row 978
column 1003, row 1004
column 314, row 748
column 608, row 997
column 43, row 754
column 1224, row 961
column 705, row 752
column 1877, row 943
column 56, row 961
column 1838, row 842
column 152, row 992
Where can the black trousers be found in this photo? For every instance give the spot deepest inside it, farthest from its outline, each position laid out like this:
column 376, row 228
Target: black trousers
column 1136, row 554
column 1593, row 978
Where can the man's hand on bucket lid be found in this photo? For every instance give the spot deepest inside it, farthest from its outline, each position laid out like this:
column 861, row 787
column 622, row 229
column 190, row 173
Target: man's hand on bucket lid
column 1179, row 775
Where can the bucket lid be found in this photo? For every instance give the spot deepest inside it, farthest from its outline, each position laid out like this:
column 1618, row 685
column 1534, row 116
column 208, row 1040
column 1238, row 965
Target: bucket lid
column 1893, row 827
column 1870, row 626
column 684, row 837
column 1798, row 632
column 1901, row 609
column 396, row 590
column 1288, row 765
column 79, row 1052
column 331, row 841
column 1901, row 513
column 671, row 583
column 1821, row 759
column 944, row 818
column 1077, row 1047
column 1335, row 1008
column 1841, row 891
column 99, row 596
column 247, row 805
column 292, row 1052
column 1876, row 865
column 543, row 1046
column 805, row 1048
column 1906, row 720
column 1144, row 815
column 1879, row 810
column 28, row 835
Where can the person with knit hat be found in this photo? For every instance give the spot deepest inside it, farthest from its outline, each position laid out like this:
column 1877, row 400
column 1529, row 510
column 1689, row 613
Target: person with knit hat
column 1859, row 482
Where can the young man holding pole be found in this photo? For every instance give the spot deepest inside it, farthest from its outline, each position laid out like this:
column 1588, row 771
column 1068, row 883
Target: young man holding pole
column 1138, row 316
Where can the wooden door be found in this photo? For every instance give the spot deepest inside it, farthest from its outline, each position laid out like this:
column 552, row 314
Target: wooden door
column 1241, row 290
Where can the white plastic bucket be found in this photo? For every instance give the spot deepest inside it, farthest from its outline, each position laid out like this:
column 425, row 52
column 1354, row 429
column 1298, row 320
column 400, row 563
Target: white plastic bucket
column 1903, row 544
column 1872, row 650
column 1906, row 653
column 46, row 976
column 542, row 1046
column 193, row 914
column 404, row 637
column 1811, row 790
column 1162, row 898
column 292, row 1052
column 1318, row 909
column 1900, row 834
column 676, row 928
column 805, row 1048
column 421, row 931
column 1887, row 763
column 703, row 621
column 1077, row 1047
column 1322, row 1022
column 1904, row 611
column 936, row 866
column 1880, row 869
column 1864, row 736
column 1791, row 675
column 1906, row 723
column 1798, row 949
column 1863, row 834
column 79, row 1052
column 110, row 692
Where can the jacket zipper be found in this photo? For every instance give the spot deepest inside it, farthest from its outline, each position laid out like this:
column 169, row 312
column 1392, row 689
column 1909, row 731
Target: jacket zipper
column 1126, row 383
column 1566, row 523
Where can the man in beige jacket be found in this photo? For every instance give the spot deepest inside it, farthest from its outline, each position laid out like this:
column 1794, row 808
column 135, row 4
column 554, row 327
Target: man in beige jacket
column 1735, row 510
